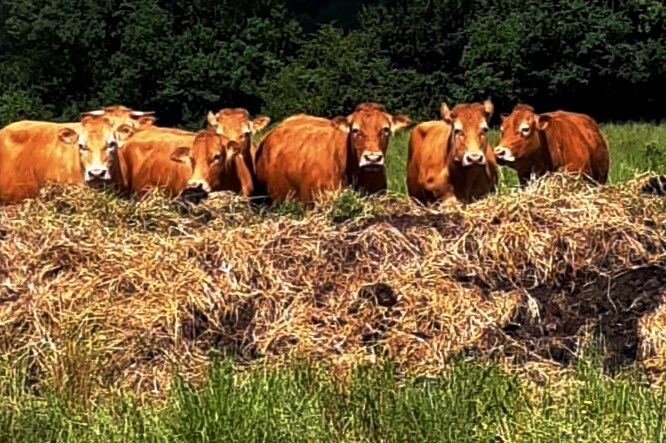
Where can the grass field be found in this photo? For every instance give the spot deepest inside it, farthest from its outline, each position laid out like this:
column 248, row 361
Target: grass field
column 470, row 403
column 105, row 304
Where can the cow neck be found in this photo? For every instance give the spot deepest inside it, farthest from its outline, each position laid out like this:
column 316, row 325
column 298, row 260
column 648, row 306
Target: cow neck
column 119, row 173
column 545, row 149
column 352, row 168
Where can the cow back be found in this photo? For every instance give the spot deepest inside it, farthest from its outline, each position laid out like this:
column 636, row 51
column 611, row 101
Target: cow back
column 145, row 161
column 576, row 144
column 31, row 155
column 300, row 157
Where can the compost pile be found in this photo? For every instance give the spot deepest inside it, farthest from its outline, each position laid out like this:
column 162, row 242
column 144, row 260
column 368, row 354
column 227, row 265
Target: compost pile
column 100, row 293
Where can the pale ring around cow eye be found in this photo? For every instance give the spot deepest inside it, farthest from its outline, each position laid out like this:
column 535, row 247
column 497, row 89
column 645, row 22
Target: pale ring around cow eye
column 458, row 132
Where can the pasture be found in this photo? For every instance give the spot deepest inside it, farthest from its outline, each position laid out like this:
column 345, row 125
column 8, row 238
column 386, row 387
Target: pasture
column 533, row 315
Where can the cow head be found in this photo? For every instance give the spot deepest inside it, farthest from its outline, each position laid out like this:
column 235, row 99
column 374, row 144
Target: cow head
column 121, row 116
column 211, row 156
column 235, row 124
column 97, row 143
column 369, row 129
column 469, row 132
column 520, row 137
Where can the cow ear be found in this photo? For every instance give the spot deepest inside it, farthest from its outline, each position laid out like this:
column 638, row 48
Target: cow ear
column 400, row 122
column 124, row 132
column 445, row 112
column 488, row 108
column 68, row 136
column 341, row 123
column 259, row 123
column 181, row 155
column 542, row 122
column 146, row 120
column 212, row 120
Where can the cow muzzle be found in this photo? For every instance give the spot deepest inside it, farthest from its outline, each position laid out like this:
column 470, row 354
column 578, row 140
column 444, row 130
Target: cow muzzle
column 475, row 158
column 504, row 155
column 97, row 173
column 372, row 161
column 195, row 191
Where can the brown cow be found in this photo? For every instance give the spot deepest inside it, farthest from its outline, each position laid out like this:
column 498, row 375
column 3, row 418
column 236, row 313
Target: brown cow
column 451, row 159
column 534, row 144
column 305, row 155
column 235, row 124
column 33, row 153
column 212, row 158
column 145, row 161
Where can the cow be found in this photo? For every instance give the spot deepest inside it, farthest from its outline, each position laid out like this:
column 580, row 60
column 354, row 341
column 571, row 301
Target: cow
column 236, row 125
column 33, row 153
column 305, row 155
column 534, row 144
column 451, row 160
column 212, row 158
column 144, row 163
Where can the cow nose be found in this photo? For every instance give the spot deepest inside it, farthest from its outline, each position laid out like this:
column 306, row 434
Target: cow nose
column 474, row 158
column 373, row 157
column 97, row 174
column 195, row 192
column 501, row 152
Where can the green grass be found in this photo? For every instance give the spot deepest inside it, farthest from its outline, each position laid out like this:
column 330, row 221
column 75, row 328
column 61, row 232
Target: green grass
column 471, row 403
column 634, row 148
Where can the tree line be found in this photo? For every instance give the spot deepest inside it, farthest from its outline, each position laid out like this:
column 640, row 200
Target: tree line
column 181, row 59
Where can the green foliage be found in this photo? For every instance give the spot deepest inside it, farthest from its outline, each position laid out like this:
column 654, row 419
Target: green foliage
column 60, row 57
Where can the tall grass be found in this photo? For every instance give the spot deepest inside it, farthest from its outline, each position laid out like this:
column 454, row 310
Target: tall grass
column 634, row 148
column 469, row 403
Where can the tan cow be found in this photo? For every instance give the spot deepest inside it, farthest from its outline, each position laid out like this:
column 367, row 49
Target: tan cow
column 305, row 155
column 145, row 162
column 33, row 153
column 212, row 159
column 236, row 125
column 451, row 159
column 534, row 144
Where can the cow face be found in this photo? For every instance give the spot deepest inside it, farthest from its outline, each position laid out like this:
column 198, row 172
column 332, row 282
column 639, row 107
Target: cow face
column 235, row 124
column 469, row 132
column 520, row 137
column 369, row 128
column 97, row 143
column 211, row 156
column 122, row 116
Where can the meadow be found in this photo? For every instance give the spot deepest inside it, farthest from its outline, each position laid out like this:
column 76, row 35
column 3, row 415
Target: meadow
column 532, row 316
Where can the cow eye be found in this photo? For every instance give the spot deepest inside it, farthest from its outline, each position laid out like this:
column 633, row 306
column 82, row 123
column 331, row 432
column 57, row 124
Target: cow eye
column 485, row 129
column 355, row 131
column 458, row 132
column 217, row 156
column 386, row 131
column 524, row 130
column 84, row 148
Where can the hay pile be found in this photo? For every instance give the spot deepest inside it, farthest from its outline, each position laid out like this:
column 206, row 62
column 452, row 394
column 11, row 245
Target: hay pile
column 98, row 292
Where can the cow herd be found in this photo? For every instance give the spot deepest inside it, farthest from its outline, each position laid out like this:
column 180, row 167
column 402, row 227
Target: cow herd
column 449, row 160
